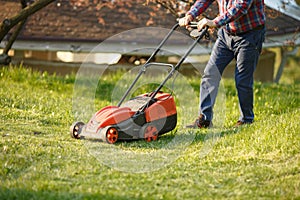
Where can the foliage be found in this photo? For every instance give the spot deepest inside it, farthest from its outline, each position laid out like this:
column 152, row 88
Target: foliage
column 39, row 160
column 175, row 7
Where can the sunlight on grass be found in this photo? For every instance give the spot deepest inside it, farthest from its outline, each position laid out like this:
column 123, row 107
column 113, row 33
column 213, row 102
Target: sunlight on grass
column 39, row 160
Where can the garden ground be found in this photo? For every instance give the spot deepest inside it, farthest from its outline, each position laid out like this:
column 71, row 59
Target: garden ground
column 39, row 160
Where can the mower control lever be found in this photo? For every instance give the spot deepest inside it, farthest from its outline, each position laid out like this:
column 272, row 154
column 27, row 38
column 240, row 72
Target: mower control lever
column 195, row 33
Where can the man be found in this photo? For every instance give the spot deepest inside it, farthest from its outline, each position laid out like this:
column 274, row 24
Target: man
column 240, row 37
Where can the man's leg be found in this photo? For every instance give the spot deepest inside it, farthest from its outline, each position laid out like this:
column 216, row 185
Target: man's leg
column 220, row 57
column 247, row 53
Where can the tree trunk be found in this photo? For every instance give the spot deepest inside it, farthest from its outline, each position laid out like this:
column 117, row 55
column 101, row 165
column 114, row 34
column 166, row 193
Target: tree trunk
column 7, row 24
column 14, row 36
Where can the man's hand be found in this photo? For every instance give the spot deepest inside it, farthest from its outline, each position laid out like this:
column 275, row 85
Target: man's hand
column 185, row 21
column 206, row 22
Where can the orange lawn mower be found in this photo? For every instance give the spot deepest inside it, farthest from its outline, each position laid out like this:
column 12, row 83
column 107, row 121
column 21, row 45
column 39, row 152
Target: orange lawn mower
column 146, row 116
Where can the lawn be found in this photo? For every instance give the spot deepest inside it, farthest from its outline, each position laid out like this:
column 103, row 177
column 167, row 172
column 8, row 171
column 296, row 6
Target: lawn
column 39, row 159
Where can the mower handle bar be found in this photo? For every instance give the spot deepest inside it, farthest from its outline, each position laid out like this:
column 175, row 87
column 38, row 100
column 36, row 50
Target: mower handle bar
column 148, row 62
column 180, row 61
column 193, row 25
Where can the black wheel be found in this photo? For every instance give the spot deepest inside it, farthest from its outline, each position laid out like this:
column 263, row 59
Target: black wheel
column 76, row 129
column 7, row 60
column 149, row 132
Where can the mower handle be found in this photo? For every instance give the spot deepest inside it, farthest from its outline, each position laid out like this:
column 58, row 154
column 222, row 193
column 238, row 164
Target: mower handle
column 148, row 62
column 193, row 25
column 143, row 69
column 202, row 33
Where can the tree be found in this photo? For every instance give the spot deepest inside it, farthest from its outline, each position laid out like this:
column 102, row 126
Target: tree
column 19, row 20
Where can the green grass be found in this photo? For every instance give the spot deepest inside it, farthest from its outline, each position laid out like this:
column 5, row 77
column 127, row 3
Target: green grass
column 39, row 160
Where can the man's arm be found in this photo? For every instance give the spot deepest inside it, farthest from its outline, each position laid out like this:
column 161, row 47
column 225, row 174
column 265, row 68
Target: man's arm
column 199, row 7
column 234, row 12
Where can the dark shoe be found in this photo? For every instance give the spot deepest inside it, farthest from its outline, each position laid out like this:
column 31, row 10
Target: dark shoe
column 241, row 123
column 201, row 122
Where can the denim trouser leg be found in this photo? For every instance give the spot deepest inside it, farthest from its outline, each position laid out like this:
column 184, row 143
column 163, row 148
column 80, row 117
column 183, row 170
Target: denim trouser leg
column 245, row 50
column 247, row 55
column 219, row 59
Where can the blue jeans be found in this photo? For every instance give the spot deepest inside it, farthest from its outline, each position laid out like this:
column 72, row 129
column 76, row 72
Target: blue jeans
column 245, row 49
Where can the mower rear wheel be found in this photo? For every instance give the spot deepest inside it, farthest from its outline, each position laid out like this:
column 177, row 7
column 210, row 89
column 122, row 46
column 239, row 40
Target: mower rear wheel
column 76, row 129
column 150, row 133
column 112, row 135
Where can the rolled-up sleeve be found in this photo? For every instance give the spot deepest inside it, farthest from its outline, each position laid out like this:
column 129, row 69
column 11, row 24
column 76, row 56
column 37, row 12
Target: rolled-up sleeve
column 199, row 7
column 233, row 13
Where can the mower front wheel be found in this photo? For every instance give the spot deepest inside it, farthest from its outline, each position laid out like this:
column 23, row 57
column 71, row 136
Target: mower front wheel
column 75, row 129
column 111, row 135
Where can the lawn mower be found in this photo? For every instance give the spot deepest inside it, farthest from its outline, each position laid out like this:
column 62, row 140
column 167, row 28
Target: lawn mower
column 146, row 116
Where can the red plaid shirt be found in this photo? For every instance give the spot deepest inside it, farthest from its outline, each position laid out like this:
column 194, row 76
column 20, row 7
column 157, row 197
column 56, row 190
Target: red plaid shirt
column 237, row 16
